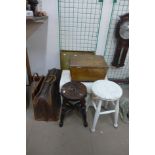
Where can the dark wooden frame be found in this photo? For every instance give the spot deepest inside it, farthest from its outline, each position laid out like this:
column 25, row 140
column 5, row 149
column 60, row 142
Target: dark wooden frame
column 121, row 44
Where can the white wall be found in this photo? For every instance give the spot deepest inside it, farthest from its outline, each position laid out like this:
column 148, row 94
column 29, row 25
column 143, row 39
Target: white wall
column 43, row 40
column 79, row 22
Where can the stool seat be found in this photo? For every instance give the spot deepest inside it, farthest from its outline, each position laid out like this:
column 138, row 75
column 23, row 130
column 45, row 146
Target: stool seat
column 104, row 92
column 74, row 91
column 66, row 77
column 107, row 90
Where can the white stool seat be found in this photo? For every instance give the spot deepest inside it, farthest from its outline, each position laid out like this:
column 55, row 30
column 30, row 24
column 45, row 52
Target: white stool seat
column 107, row 90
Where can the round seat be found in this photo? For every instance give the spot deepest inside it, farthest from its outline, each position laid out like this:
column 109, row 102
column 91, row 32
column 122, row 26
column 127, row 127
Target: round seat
column 74, row 91
column 107, row 90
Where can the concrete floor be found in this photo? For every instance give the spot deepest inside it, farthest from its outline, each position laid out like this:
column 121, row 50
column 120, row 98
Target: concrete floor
column 47, row 138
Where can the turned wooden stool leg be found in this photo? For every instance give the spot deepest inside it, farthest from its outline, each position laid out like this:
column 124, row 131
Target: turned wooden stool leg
column 83, row 112
column 62, row 116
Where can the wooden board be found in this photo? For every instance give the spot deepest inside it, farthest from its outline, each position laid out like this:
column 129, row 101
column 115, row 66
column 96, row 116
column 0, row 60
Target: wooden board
column 65, row 57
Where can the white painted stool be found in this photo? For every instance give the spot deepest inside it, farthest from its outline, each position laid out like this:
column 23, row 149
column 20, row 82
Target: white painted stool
column 105, row 90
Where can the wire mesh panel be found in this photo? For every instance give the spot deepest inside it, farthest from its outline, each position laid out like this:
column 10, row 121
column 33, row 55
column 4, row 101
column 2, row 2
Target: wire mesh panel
column 79, row 22
column 120, row 8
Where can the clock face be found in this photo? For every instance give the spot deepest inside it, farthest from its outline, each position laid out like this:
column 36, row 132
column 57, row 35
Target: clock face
column 124, row 30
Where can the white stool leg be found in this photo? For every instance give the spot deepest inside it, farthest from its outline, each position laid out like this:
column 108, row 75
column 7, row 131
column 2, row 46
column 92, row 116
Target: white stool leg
column 106, row 105
column 116, row 114
column 97, row 113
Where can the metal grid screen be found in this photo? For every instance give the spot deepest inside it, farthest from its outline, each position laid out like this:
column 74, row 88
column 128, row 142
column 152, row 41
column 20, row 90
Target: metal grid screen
column 79, row 22
column 120, row 7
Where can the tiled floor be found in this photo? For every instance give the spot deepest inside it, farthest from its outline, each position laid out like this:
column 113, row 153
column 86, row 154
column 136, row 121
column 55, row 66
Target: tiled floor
column 47, row 138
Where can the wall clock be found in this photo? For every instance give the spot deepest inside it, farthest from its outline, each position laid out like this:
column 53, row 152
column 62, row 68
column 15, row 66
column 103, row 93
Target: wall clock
column 122, row 44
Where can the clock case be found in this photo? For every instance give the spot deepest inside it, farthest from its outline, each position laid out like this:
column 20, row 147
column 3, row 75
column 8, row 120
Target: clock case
column 122, row 45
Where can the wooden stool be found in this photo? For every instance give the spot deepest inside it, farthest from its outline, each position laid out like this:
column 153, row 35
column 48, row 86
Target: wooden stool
column 105, row 91
column 73, row 95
